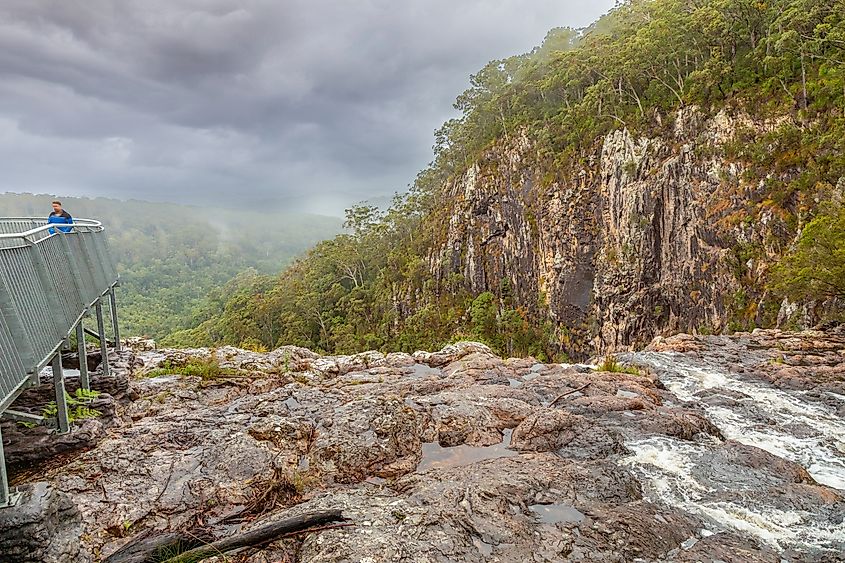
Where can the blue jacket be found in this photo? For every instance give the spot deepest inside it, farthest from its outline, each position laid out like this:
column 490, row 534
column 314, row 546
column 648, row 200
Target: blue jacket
column 64, row 218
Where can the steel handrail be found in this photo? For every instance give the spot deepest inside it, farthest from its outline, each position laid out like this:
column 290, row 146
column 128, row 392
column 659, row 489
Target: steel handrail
column 95, row 226
column 36, row 218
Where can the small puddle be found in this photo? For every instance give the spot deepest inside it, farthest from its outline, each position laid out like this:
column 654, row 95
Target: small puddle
column 436, row 456
column 292, row 404
column 151, row 383
column 514, row 382
column 557, row 513
column 485, row 548
column 410, row 403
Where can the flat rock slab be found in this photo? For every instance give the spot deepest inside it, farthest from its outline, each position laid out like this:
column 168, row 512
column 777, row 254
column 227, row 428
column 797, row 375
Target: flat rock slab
column 294, row 432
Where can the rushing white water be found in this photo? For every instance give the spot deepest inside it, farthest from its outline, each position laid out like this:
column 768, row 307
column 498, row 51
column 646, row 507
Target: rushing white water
column 784, row 423
column 768, row 417
column 667, row 465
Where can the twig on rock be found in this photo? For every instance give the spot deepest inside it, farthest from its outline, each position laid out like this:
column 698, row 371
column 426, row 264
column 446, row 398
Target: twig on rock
column 562, row 395
column 166, row 483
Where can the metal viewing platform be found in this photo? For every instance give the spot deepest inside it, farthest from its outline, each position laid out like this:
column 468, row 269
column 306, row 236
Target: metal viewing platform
column 51, row 277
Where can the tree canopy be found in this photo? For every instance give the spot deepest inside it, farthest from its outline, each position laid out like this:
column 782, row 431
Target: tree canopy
column 814, row 269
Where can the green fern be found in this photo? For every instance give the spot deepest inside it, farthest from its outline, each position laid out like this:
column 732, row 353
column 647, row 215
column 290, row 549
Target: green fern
column 77, row 406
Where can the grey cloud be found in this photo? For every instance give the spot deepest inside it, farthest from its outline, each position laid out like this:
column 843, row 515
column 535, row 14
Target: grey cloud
column 304, row 104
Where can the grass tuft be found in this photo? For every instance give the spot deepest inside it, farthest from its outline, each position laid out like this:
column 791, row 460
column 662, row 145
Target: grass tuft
column 611, row 364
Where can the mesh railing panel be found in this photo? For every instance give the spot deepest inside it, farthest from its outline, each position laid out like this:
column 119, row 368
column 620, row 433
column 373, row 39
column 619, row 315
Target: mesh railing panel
column 46, row 282
column 12, row 369
column 12, row 339
column 30, row 299
column 90, row 278
column 16, row 225
column 57, row 262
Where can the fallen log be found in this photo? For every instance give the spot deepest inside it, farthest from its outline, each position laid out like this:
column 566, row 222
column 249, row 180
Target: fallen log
column 258, row 536
column 185, row 547
column 146, row 548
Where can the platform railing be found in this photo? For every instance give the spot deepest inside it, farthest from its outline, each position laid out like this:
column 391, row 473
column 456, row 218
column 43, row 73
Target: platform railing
column 51, row 277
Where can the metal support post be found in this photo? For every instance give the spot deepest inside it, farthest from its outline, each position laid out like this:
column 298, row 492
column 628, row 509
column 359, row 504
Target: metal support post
column 104, row 344
column 62, row 419
column 7, row 497
column 114, row 325
column 4, row 478
column 84, row 381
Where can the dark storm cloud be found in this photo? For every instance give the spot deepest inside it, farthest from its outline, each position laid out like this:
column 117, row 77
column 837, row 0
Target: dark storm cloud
column 304, row 104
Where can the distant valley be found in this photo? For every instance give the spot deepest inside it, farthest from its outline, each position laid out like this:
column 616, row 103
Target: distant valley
column 173, row 258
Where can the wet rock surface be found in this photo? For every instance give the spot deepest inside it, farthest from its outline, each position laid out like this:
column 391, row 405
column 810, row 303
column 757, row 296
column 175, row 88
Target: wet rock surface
column 44, row 526
column 456, row 455
column 810, row 360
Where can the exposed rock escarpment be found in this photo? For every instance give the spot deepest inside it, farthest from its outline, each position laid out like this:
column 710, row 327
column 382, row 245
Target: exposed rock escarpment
column 638, row 241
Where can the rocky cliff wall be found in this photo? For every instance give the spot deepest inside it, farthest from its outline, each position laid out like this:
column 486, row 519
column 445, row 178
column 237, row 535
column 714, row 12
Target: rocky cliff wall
column 639, row 241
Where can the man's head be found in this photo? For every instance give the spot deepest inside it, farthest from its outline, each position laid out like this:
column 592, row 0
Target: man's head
column 57, row 206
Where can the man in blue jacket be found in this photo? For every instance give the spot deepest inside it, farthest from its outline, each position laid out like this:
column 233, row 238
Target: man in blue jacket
column 59, row 215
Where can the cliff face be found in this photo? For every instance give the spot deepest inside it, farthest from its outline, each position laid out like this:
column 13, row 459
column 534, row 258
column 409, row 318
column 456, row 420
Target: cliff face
column 641, row 241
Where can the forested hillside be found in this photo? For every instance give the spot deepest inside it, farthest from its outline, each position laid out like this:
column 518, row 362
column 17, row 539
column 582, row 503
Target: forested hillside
column 172, row 257
column 640, row 177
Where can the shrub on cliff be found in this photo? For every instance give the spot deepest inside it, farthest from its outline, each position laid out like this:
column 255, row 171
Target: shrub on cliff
column 815, row 268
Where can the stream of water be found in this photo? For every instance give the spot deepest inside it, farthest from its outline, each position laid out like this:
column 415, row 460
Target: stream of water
column 697, row 478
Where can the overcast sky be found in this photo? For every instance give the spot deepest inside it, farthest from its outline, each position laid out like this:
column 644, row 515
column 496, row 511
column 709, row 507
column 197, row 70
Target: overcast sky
column 273, row 104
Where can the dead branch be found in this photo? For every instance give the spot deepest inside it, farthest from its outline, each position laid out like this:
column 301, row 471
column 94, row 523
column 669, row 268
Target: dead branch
column 562, row 395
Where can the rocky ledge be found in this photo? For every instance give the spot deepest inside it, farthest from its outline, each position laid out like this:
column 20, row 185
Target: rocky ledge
column 459, row 455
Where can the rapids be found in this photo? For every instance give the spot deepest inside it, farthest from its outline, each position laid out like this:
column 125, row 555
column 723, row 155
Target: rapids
column 694, row 475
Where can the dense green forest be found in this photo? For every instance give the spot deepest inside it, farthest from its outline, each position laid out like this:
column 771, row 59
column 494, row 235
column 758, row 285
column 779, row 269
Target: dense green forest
column 171, row 258
column 372, row 287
